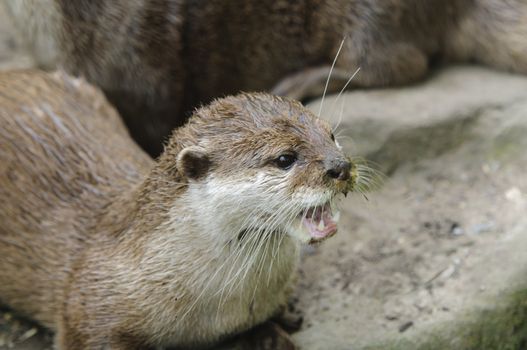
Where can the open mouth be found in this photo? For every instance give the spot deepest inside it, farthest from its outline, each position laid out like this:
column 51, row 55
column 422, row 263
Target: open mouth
column 319, row 222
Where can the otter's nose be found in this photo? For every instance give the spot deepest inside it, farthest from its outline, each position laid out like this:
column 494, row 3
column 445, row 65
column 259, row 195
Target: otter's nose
column 340, row 170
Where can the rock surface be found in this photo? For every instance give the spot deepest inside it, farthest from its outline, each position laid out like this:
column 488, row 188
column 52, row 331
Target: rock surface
column 13, row 53
column 436, row 257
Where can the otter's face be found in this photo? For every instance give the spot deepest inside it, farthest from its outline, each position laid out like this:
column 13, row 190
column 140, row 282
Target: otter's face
column 268, row 165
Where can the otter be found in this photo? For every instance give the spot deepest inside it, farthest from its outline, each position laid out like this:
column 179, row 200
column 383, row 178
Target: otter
column 113, row 250
column 158, row 59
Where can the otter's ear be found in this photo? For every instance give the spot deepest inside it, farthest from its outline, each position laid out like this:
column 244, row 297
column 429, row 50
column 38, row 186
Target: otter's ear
column 193, row 162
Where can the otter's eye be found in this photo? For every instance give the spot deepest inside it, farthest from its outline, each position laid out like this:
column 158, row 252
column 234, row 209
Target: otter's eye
column 285, row 161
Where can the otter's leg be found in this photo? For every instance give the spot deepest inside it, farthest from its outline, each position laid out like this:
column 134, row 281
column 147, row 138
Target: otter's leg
column 70, row 338
column 383, row 65
column 493, row 33
column 267, row 336
column 289, row 317
column 310, row 83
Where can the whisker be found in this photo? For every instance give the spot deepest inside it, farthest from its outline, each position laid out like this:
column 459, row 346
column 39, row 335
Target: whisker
column 329, row 75
column 346, row 85
column 252, row 255
column 220, row 268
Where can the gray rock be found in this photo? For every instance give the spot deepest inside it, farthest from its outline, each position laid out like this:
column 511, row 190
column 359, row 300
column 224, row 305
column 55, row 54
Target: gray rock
column 394, row 278
column 13, row 54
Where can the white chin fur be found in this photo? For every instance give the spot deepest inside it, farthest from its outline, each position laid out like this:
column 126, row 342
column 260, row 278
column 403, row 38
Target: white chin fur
column 232, row 206
column 298, row 231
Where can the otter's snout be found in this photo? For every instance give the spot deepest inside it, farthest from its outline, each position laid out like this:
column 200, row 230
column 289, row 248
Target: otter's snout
column 339, row 169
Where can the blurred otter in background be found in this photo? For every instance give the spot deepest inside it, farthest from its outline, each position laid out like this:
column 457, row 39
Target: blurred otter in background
column 156, row 60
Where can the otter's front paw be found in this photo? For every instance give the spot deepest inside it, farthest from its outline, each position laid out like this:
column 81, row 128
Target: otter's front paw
column 290, row 319
column 267, row 336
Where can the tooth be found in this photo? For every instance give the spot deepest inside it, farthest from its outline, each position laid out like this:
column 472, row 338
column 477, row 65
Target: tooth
column 336, row 217
column 321, row 225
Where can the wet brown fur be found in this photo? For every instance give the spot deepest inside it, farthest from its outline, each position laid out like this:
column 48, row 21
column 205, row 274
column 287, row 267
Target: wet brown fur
column 157, row 59
column 100, row 244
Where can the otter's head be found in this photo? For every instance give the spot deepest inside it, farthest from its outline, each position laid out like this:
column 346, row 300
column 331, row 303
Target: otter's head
column 261, row 163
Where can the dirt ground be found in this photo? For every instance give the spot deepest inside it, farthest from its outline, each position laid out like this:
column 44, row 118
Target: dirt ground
column 440, row 240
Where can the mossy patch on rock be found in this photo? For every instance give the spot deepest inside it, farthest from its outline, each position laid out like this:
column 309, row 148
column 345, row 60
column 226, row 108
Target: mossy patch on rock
column 502, row 325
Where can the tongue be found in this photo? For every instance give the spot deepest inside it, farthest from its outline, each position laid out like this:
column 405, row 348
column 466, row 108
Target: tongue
column 320, row 223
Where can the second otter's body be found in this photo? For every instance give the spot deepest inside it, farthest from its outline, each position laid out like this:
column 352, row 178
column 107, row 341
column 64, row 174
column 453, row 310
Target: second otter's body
column 158, row 59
